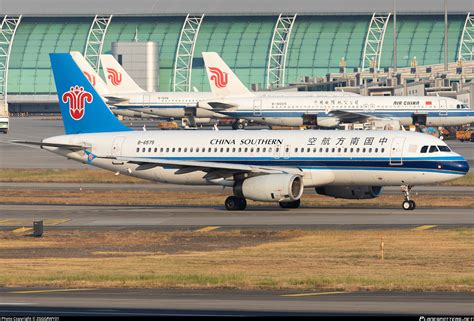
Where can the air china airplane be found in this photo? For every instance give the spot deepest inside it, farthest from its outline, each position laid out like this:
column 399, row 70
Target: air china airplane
column 269, row 166
column 128, row 99
column 237, row 102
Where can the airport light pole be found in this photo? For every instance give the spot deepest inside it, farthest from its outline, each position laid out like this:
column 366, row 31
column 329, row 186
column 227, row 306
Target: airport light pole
column 394, row 36
column 446, row 36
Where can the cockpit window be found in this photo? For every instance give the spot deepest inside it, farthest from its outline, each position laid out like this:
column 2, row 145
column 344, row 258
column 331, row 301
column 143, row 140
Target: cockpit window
column 424, row 149
column 433, row 149
column 443, row 148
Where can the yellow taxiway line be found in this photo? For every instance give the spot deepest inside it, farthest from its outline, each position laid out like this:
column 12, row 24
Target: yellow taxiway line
column 423, row 227
column 50, row 291
column 207, row 229
column 16, row 222
column 22, row 230
column 315, row 294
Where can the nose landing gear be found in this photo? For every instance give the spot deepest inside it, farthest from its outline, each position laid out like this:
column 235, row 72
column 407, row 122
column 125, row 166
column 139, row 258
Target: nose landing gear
column 408, row 204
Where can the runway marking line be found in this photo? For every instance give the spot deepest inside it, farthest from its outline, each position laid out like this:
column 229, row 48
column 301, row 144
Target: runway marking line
column 423, row 227
column 50, row 291
column 207, row 229
column 314, row 294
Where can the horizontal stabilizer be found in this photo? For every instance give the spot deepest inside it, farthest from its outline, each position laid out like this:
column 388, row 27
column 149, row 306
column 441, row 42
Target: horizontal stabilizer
column 41, row 144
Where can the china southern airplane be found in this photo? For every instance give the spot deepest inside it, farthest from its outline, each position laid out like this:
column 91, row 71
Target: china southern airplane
column 269, row 166
column 128, row 99
column 238, row 102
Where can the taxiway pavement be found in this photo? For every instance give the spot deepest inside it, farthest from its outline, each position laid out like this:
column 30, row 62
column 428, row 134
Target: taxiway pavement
column 121, row 302
column 63, row 216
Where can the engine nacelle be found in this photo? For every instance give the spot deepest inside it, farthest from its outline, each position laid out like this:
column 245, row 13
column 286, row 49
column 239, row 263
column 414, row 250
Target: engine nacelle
column 270, row 188
column 350, row 192
column 328, row 122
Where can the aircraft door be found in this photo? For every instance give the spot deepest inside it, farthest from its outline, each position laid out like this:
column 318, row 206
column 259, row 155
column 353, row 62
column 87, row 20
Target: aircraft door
column 117, row 146
column 282, row 151
column 286, row 151
column 257, row 107
column 146, row 101
column 277, row 151
column 443, row 107
column 396, row 151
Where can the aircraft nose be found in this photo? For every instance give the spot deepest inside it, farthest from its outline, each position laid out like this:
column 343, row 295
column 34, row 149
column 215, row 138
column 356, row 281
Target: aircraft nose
column 461, row 166
column 465, row 166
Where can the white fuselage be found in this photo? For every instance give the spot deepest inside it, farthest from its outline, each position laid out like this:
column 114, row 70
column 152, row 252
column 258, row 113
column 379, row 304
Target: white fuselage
column 376, row 158
column 183, row 104
column 322, row 111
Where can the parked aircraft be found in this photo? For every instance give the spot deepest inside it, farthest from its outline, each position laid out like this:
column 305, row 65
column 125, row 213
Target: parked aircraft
column 128, row 99
column 236, row 101
column 271, row 166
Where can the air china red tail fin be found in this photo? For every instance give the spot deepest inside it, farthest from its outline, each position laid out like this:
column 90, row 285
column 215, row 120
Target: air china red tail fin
column 118, row 80
column 223, row 81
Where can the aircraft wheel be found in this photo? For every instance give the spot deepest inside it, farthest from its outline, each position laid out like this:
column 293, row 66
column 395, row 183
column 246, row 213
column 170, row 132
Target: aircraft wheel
column 234, row 203
column 238, row 125
column 294, row 204
column 408, row 205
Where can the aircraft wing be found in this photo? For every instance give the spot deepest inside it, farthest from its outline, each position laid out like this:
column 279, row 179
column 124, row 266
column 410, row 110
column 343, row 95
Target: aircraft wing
column 41, row 144
column 112, row 100
column 351, row 117
column 218, row 106
column 347, row 116
column 214, row 169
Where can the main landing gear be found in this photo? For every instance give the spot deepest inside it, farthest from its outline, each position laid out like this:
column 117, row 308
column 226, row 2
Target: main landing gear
column 408, row 204
column 235, row 203
column 239, row 124
column 294, row 204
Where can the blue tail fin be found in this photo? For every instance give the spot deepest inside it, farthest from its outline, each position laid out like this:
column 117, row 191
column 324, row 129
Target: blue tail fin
column 82, row 108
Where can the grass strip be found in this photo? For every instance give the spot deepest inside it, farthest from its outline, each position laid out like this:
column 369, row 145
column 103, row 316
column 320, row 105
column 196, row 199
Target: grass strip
column 318, row 260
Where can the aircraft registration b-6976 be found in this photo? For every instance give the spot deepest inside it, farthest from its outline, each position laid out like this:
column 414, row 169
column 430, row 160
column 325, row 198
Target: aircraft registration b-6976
column 271, row 166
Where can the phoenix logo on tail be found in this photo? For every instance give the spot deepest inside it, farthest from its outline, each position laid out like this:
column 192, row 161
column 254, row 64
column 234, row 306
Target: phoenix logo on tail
column 114, row 76
column 219, row 77
column 90, row 77
column 77, row 97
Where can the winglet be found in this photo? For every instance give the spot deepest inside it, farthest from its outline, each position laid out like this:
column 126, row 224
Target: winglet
column 118, row 80
column 223, row 81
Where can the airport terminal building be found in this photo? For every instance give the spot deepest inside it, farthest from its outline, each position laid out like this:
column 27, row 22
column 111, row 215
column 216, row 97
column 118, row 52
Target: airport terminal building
column 269, row 44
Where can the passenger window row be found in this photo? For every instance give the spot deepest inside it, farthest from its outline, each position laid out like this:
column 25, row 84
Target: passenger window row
column 340, row 150
column 258, row 150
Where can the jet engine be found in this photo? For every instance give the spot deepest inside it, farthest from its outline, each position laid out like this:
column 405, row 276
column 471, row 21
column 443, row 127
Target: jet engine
column 270, row 188
column 350, row 192
column 328, row 122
